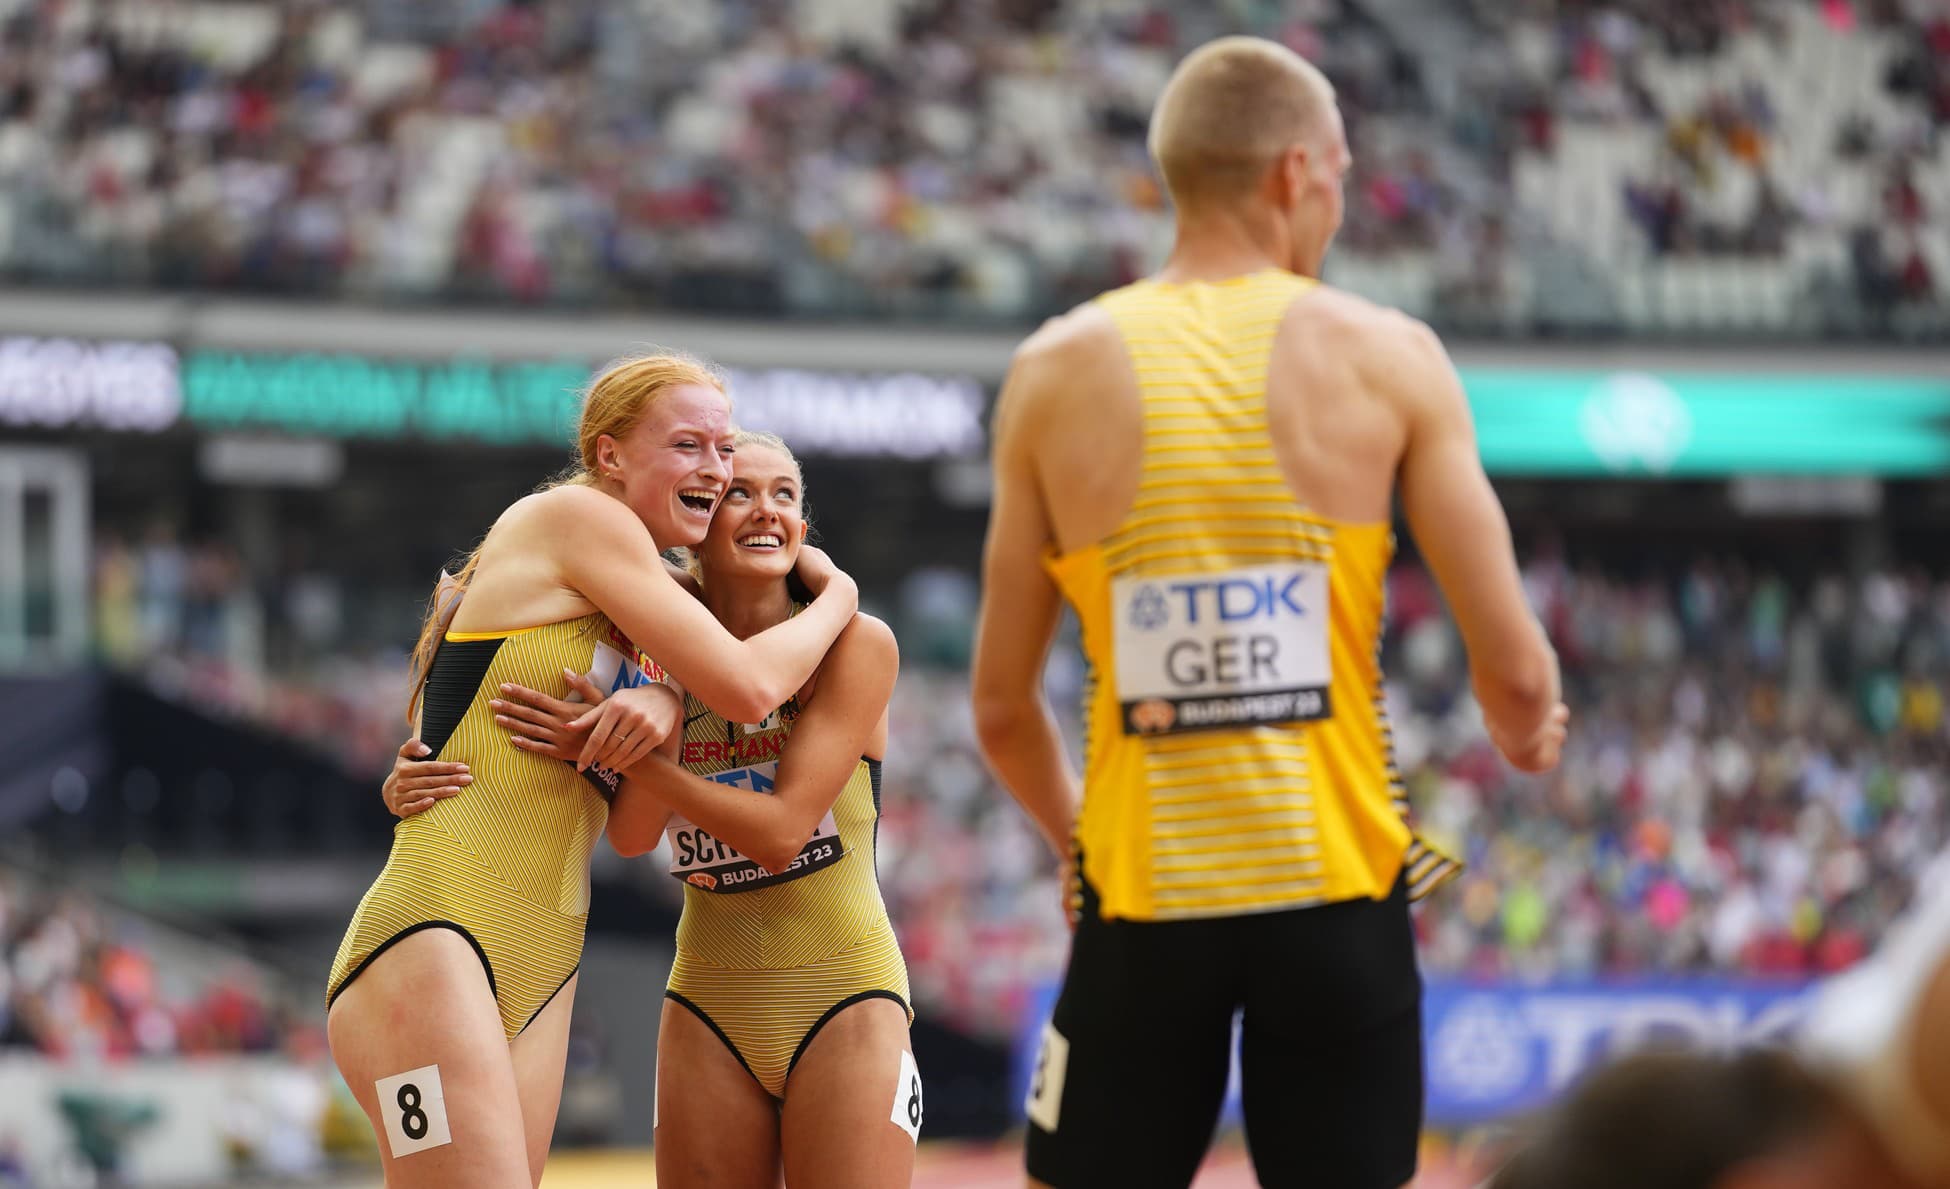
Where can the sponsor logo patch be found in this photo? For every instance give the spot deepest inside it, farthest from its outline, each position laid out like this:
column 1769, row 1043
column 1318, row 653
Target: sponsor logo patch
column 1233, row 648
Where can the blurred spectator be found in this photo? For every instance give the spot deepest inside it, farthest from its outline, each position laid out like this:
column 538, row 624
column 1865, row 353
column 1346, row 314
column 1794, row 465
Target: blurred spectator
column 78, row 983
column 1722, row 807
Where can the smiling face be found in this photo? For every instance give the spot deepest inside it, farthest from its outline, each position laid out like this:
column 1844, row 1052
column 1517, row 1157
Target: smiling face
column 761, row 520
column 672, row 466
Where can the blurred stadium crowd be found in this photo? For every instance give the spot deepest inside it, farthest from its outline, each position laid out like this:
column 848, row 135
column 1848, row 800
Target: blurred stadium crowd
column 1626, row 164
column 82, row 982
column 1754, row 784
column 1755, row 781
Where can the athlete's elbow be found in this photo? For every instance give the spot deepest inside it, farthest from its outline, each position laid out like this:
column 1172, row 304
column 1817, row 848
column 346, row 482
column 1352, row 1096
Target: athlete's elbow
column 787, row 840
column 775, row 856
column 630, row 843
column 999, row 719
column 746, row 700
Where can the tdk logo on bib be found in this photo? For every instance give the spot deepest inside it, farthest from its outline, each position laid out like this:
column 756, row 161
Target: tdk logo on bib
column 1230, row 649
column 1228, row 600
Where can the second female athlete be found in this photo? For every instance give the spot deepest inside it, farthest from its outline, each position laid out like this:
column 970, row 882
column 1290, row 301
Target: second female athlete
column 783, row 1045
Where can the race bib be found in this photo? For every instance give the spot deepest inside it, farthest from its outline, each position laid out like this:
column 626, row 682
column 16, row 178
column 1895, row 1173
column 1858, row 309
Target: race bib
column 615, row 665
column 1236, row 648
column 701, row 860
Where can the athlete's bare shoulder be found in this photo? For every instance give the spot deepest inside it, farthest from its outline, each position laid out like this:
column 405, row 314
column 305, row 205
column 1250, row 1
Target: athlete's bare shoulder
column 569, row 512
column 1363, row 328
column 1389, row 352
column 565, row 503
column 1068, row 335
column 870, row 635
column 866, row 643
column 1044, row 373
column 1077, row 338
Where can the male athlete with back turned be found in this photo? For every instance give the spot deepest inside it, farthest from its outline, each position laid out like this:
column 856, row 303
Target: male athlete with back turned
column 1203, row 465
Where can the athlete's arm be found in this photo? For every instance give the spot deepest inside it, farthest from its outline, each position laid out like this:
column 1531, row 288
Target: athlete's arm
column 648, row 717
column 603, row 551
column 1461, row 530
column 636, row 817
column 616, row 732
column 834, row 730
column 1017, row 622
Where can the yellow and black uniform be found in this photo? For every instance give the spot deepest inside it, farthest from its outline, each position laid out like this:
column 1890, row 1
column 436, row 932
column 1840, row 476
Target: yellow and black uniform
column 763, row 959
column 507, row 865
column 1243, row 842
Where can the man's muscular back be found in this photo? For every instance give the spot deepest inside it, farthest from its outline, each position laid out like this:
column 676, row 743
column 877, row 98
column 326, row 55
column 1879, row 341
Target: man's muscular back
column 1342, row 381
column 1361, row 400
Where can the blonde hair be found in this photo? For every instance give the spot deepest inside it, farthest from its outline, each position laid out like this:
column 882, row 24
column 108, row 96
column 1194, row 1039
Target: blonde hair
column 1229, row 109
column 616, row 402
column 694, row 560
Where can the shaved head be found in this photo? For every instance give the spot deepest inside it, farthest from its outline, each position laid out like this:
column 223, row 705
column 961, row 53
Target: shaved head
column 1233, row 106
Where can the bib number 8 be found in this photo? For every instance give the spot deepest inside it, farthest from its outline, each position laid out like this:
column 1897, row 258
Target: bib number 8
column 906, row 1112
column 413, row 1120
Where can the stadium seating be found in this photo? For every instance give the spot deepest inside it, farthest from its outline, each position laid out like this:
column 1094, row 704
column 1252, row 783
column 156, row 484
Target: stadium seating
column 1711, row 165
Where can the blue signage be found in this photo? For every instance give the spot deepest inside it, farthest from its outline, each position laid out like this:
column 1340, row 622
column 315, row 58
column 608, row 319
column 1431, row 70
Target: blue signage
column 1492, row 1050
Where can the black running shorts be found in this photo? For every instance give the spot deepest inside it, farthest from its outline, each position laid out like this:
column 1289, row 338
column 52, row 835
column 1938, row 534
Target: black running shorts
column 1134, row 1064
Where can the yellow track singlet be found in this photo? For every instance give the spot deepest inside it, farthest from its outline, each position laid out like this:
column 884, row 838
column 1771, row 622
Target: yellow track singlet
column 766, row 959
column 1238, row 755
column 506, row 864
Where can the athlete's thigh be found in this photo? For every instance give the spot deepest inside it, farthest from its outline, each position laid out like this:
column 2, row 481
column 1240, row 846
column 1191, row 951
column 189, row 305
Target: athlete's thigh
column 716, row 1127
column 1342, row 1110
column 839, row 1125
column 424, row 1005
column 1133, row 1066
column 1330, row 1048
column 540, row 1053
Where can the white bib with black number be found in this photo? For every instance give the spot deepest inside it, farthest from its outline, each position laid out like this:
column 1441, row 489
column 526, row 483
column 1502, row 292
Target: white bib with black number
column 1234, row 648
column 701, row 860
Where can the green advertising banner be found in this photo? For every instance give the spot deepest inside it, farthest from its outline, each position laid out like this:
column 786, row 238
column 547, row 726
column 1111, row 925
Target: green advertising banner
column 1529, row 421
column 1637, row 423
column 901, row 415
column 353, row 396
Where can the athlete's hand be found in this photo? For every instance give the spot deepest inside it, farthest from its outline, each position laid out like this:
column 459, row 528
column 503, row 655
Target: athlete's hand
column 628, row 726
column 415, row 784
column 614, row 732
column 1540, row 752
column 817, row 570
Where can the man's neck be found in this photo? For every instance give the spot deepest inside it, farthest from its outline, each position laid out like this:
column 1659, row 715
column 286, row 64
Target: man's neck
column 1220, row 244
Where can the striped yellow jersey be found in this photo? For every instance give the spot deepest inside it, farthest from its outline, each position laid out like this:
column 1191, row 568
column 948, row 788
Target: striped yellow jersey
column 507, row 863
column 1237, row 754
column 765, row 958
column 737, row 914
